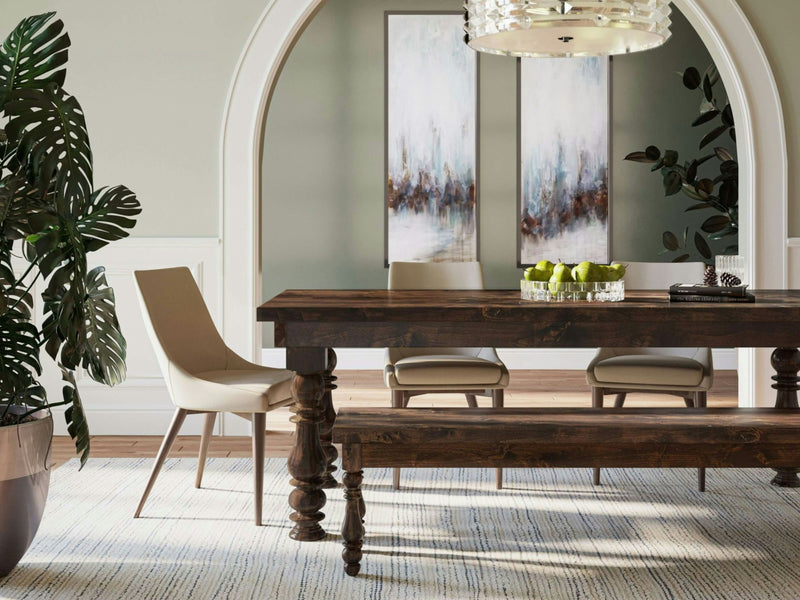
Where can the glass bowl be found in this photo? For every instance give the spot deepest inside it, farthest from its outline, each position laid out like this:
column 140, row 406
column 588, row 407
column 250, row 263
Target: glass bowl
column 543, row 291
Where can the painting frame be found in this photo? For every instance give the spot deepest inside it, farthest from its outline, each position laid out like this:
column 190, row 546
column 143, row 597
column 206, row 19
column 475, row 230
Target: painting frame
column 609, row 175
column 388, row 15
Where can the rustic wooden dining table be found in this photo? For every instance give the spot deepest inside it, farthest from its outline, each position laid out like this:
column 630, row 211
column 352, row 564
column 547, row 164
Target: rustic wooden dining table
column 310, row 323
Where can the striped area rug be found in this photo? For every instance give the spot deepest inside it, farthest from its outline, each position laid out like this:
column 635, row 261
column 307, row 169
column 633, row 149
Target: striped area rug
column 644, row 534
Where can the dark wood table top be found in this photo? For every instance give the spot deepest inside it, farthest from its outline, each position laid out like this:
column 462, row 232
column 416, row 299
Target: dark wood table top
column 374, row 318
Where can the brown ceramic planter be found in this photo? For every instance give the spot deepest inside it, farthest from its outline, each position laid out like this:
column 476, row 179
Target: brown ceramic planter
column 24, row 481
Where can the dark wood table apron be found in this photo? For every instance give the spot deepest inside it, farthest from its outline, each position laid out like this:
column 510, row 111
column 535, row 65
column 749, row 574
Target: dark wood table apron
column 310, row 323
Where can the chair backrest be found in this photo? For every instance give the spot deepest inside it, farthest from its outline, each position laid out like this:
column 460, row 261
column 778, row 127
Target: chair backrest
column 659, row 276
column 178, row 321
column 435, row 276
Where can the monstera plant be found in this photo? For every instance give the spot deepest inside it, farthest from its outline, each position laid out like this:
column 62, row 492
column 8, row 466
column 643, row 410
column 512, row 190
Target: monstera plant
column 51, row 218
column 713, row 190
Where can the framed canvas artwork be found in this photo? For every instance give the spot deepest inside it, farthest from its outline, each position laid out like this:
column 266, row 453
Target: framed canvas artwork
column 563, row 169
column 431, row 197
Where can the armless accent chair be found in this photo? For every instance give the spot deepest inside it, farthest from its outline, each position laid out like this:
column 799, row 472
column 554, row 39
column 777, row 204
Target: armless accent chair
column 202, row 374
column 415, row 371
column 684, row 372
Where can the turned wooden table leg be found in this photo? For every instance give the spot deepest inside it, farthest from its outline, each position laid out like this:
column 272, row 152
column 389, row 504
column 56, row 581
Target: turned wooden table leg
column 353, row 527
column 307, row 461
column 786, row 362
column 328, row 418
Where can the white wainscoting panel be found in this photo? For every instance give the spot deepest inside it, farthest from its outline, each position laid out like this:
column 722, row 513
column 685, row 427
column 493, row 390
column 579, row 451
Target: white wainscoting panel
column 794, row 263
column 141, row 404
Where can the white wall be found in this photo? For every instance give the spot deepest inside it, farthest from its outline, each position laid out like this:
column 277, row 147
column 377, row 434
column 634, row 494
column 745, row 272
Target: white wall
column 152, row 77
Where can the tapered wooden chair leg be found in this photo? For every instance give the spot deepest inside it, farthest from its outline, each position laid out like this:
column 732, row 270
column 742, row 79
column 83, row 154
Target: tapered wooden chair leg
column 497, row 402
column 399, row 400
column 205, row 439
column 174, row 427
column 700, row 400
column 259, row 433
column 597, row 402
column 619, row 401
column 472, row 401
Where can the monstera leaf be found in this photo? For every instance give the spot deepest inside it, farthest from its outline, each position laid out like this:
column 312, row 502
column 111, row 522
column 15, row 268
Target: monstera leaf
column 77, row 426
column 49, row 130
column 31, row 56
column 22, row 207
column 14, row 295
column 19, row 353
column 107, row 216
column 81, row 326
column 64, row 326
column 104, row 356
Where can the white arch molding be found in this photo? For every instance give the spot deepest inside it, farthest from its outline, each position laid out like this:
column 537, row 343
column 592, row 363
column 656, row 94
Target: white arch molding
column 735, row 49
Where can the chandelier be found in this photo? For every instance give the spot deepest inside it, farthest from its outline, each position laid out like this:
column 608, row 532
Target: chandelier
column 565, row 27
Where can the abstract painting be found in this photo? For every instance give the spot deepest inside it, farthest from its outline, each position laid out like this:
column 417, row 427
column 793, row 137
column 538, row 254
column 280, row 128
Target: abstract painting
column 563, row 143
column 431, row 198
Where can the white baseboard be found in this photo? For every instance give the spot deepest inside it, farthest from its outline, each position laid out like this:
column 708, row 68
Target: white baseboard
column 514, row 358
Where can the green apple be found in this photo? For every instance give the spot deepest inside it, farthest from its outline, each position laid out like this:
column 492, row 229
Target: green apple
column 561, row 274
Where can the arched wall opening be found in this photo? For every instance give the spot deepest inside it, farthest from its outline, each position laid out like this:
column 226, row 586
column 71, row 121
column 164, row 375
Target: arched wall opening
column 734, row 48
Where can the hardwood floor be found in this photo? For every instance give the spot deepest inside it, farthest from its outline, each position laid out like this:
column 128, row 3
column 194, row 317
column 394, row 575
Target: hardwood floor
column 366, row 388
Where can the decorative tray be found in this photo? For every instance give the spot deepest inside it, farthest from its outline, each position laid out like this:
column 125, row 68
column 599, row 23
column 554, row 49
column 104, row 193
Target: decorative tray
column 543, row 291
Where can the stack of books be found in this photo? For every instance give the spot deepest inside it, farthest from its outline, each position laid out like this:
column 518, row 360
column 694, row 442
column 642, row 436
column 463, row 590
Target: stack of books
column 697, row 292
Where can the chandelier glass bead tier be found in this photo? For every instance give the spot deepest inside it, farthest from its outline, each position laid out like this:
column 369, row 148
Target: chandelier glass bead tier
column 566, row 27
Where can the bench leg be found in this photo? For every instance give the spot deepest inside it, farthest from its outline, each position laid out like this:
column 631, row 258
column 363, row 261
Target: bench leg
column 498, row 398
column 353, row 527
column 597, row 402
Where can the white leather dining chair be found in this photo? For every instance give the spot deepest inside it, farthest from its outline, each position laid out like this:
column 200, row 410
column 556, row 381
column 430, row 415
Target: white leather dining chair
column 414, row 371
column 684, row 372
column 202, row 374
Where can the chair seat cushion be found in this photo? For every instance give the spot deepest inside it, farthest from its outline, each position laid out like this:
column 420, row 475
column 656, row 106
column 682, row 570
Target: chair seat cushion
column 274, row 384
column 447, row 369
column 649, row 369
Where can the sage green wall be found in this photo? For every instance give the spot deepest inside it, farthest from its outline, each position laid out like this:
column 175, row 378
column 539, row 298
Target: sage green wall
column 324, row 152
column 153, row 77
column 775, row 24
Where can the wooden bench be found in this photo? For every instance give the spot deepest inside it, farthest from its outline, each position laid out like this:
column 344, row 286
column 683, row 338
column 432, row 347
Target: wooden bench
column 552, row 437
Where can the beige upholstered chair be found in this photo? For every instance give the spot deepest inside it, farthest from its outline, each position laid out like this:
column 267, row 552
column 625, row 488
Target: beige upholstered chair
column 202, row 374
column 415, row 371
column 684, row 372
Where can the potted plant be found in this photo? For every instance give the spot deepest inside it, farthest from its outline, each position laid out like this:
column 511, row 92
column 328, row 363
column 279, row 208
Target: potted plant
column 51, row 217
column 716, row 191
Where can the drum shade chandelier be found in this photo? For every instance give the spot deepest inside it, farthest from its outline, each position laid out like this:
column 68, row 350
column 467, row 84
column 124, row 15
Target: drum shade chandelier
column 565, row 27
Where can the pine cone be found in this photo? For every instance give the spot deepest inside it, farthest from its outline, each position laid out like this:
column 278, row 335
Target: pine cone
column 710, row 276
column 728, row 280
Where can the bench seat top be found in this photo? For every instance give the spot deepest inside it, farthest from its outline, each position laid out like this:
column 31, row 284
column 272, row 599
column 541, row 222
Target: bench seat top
column 593, row 426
